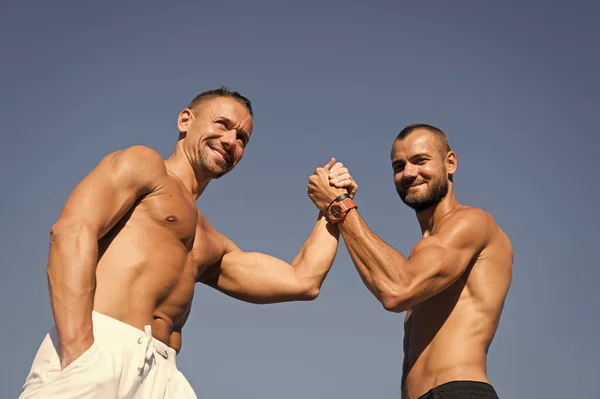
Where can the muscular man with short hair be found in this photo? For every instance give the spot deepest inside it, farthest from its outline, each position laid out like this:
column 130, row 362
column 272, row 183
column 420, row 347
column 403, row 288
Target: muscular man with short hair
column 454, row 282
column 128, row 248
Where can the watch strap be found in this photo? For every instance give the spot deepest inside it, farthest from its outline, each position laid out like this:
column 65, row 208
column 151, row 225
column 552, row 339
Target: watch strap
column 346, row 203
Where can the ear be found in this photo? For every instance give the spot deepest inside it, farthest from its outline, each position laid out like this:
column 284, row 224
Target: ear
column 451, row 162
column 184, row 120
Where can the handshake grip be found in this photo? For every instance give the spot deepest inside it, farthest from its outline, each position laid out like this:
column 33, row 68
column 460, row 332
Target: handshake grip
column 329, row 183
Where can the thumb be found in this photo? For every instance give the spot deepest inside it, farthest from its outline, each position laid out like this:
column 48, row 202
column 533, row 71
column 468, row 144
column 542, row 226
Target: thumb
column 330, row 164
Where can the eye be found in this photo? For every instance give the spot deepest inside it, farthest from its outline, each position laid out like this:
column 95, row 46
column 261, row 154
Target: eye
column 221, row 122
column 243, row 139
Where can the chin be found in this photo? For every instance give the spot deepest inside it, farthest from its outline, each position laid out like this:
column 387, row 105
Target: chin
column 216, row 171
column 416, row 203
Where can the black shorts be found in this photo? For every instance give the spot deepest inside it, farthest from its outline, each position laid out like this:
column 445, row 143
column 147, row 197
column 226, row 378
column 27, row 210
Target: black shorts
column 462, row 390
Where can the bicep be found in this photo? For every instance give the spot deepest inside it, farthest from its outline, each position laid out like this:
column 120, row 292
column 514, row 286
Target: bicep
column 257, row 277
column 108, row 192
column 439, row 260
column 251, row 276
column 434, row 261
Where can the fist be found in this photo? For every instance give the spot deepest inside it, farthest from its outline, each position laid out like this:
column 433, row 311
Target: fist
column 339, row 177
column 320, row 190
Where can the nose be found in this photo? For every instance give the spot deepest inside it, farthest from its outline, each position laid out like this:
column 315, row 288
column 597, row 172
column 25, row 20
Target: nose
column 410, row 171
column 228, row 140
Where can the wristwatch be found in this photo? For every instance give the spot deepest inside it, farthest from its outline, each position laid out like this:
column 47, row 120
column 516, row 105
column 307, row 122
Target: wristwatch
column 338, row 209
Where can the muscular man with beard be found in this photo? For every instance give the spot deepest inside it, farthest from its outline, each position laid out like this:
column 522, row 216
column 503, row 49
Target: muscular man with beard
column 128, row 248
column 454, row 282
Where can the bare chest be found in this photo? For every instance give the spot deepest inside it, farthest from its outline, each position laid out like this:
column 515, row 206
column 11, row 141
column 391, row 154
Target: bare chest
column 171, row 213
column 180, row 217
column 168, row 223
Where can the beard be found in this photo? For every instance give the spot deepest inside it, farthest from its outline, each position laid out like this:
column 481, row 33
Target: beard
column 210, row 167
column 436, row 192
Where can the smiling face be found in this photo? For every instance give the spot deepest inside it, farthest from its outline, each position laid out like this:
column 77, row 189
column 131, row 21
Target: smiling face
column 422, row 169
column 215, row 132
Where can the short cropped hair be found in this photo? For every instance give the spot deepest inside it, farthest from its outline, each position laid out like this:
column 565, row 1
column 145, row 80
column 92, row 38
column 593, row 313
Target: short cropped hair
column 222, row 91
column 444, row 147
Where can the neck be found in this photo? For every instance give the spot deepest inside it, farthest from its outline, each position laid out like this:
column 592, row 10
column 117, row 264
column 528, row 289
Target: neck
column 429, row 217
column 194, row 179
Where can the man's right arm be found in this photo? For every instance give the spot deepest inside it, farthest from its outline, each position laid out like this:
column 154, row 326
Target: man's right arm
column 434, row 264
column 93, row 208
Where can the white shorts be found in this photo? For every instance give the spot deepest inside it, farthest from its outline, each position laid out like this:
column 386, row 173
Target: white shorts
column 123, row 362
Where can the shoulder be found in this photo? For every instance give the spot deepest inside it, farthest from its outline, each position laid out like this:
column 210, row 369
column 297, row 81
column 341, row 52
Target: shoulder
column 138, row 155
column 466, row 226
column 467, row 216
column 137, row 164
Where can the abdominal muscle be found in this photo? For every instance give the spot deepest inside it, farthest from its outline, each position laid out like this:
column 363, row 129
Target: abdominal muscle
column 447, row 344
column 447, row 359
column 146, row 277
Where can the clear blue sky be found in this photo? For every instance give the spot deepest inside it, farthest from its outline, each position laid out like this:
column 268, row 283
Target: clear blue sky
column 514, row 84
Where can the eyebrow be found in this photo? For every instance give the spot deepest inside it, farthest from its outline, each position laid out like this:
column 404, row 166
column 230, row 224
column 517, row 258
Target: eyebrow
column 226, row 119
column 415, row 156
column 229, row 123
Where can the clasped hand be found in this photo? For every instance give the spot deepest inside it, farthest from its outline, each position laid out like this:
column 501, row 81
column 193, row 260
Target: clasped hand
column 329, row 182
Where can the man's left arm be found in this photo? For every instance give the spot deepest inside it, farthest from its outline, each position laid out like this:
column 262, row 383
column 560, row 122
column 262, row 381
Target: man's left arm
column 260, row 278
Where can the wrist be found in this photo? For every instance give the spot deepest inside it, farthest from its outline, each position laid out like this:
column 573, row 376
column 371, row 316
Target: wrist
column 72, row 336
column 338, row 208
column 75, row 342
column 343, row 225
column 331, row 196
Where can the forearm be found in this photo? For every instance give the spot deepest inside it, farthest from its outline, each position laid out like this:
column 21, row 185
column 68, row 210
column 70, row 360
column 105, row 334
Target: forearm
column 379, row 265
column 317, row 254
column 71, row 280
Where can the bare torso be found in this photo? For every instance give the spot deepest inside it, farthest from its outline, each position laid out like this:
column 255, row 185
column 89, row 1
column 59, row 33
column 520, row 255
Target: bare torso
column 150, row 261
column 447, row 336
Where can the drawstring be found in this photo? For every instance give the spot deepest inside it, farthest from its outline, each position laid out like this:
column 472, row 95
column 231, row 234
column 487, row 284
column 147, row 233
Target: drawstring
column 150, row 358
column 151, row 351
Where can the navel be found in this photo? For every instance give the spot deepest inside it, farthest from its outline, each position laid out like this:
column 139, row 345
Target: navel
column 171, row 218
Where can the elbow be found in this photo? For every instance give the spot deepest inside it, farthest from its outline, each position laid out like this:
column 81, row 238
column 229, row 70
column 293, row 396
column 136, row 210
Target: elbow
column 393, row 304
column 64, row 228
column 67, row 228
column 394, row 300
column 311, row 294
column 307, row 289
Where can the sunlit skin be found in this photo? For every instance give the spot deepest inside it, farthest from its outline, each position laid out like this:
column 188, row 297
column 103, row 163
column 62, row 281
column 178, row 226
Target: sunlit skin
column 130, row 242
column 452, row 285
column 421, row 170
column 215, row 137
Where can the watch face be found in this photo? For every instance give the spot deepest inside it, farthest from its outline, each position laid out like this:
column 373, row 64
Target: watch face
column 335, row 211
